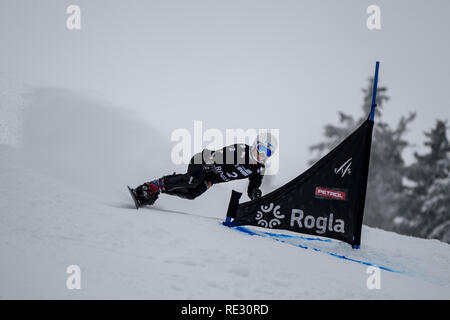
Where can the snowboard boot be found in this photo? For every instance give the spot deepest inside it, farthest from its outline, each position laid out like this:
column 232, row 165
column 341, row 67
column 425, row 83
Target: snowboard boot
column 147, row 193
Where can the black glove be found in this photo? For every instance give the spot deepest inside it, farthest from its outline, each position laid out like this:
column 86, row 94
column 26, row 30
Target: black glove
column 255, row 194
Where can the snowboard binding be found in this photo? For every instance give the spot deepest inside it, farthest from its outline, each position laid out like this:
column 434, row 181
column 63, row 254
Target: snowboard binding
column 145, row 194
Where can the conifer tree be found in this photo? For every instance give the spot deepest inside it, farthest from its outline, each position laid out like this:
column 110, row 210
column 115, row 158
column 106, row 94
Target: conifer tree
column 426, row 212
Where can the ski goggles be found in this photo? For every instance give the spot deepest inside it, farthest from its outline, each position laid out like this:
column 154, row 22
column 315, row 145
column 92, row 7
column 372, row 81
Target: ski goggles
column 263, row 149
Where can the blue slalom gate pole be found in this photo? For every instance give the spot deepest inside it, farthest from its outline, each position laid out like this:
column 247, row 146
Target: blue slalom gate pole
column 374, row 92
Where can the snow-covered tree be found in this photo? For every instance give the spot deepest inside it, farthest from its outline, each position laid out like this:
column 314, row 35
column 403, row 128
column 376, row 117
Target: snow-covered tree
column 334, row 134
column 427, row 209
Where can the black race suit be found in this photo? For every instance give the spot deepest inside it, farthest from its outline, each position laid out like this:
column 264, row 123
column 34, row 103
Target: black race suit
column 209, row 167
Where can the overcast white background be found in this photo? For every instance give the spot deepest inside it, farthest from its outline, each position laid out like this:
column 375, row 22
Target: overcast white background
column 237, row 64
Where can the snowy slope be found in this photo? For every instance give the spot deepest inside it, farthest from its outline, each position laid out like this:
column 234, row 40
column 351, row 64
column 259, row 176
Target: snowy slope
column 63, row 201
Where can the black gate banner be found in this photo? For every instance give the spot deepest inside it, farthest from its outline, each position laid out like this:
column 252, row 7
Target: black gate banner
column 326, row 200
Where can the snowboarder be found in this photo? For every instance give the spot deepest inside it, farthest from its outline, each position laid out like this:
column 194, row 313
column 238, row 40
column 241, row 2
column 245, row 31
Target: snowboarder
column 206, row 168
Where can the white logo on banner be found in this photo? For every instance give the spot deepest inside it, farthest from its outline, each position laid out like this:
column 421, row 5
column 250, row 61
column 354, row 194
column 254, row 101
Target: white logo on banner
column 344, row 169
column 273, row 222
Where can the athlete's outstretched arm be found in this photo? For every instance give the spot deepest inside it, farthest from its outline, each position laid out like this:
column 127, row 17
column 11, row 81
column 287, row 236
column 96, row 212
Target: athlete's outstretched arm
column 255, row 181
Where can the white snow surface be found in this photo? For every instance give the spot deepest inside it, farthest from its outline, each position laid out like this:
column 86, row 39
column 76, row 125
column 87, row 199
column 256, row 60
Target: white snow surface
column 63, row 201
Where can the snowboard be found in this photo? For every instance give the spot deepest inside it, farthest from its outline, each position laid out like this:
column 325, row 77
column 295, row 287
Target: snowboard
column 133, row 195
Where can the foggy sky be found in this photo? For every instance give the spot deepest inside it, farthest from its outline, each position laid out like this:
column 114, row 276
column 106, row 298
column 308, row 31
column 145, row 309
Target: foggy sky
column 289, row 65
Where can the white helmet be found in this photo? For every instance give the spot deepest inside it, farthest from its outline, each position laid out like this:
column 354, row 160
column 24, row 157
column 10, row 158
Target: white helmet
column 264, row 147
